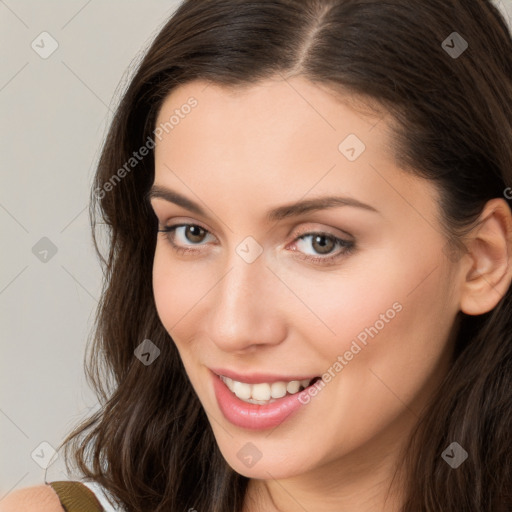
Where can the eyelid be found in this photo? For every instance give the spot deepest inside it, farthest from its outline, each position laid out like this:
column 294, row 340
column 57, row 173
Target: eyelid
column 326, row 231
column 182, row 221
column 161, row 211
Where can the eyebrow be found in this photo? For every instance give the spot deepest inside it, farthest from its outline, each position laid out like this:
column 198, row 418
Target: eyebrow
column 276, row 214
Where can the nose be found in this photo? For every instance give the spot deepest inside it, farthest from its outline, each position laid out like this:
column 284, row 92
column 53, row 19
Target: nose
column 245, row 309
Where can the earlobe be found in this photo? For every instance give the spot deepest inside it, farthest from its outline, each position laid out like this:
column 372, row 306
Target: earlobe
column 489, row 252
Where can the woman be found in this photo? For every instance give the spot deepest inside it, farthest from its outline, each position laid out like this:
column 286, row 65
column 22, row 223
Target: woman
column 308, row 300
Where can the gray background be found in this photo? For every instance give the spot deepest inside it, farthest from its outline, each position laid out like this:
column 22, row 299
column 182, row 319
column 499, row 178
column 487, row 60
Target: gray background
column 55, row 112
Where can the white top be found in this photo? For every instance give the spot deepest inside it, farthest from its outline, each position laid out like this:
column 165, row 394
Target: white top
column 102, row 494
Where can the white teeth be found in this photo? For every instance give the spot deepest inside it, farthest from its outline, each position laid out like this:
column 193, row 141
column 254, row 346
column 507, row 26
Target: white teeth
column 229, row 383
column 241, row 390
column 278, row 389
column 263, row 392
column 293, row 386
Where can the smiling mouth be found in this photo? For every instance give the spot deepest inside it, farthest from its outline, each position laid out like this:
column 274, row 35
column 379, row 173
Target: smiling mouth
column 266, row 393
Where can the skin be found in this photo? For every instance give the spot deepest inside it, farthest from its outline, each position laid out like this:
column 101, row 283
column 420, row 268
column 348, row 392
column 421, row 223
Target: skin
column 31, row 499
column 241, row 152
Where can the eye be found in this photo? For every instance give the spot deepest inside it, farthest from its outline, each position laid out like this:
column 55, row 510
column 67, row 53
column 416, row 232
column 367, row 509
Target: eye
column 323, row 244
column 181, row 235
column 189, row 233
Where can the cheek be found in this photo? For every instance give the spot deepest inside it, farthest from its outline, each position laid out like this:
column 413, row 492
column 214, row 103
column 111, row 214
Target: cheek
column 179, row 287
column 338, row 307
column 389, row 353
column 392, row 319
column 396, row 343
column 398, row 296
column 173, row 289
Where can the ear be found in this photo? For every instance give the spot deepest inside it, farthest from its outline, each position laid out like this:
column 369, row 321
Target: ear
column 488, row 273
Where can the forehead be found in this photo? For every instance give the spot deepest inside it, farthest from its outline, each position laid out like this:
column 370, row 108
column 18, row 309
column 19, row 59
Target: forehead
column 276, row 106
column 273, row 122
column 279, row 140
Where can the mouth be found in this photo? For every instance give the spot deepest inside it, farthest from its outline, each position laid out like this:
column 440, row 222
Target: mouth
column 264, row 393
column 260, row 401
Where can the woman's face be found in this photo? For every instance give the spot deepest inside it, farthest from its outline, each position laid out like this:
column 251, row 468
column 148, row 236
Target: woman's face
column 357, row 290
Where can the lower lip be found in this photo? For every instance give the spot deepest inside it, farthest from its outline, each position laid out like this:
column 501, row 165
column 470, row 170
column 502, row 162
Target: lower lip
column 254, row 416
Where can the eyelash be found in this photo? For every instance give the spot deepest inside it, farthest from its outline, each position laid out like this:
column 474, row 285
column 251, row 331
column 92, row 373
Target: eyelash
column 348, row 246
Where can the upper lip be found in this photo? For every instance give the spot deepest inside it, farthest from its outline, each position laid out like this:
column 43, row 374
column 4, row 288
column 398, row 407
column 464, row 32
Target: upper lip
column 259, row 378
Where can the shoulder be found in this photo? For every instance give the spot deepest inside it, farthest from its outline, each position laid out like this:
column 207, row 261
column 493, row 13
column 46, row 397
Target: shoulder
column 39, row 498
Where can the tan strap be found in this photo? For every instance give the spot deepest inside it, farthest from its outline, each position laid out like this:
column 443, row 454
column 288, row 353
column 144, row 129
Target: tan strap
column 76, row 497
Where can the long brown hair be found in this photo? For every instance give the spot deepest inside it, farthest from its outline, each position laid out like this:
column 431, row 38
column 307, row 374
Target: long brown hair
column 151, row 443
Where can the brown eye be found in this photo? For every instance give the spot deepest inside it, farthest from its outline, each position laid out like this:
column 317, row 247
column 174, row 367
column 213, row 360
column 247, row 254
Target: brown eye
column 183, row 235
column 319, row 247
column 194, row 234
column 323, row 244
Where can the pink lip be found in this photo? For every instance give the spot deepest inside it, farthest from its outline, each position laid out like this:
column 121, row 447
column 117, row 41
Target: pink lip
column 254, row 416
column 257, row 378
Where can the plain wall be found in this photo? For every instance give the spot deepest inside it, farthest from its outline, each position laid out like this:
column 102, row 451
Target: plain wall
column 54, row 116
